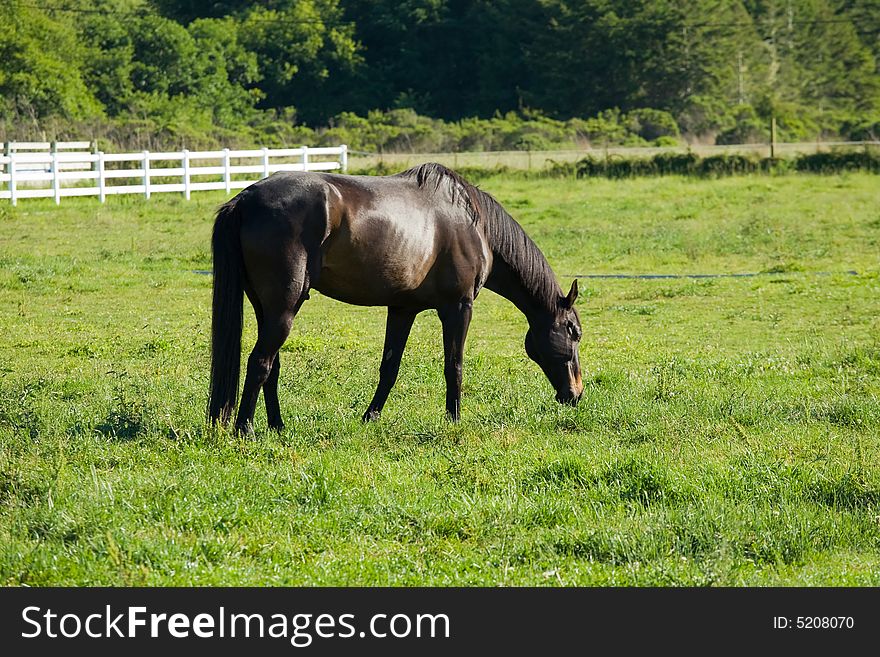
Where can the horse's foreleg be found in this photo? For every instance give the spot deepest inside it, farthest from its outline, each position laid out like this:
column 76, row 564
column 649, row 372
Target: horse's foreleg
column 455, row 318
column 397, row 328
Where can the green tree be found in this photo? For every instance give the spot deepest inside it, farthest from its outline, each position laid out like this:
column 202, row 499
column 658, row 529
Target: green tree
column 41, row 66
column 186, row 11
column 659, row 53
column 297, row 46
column 227, row 72
column 108, row 64
column 820, row 74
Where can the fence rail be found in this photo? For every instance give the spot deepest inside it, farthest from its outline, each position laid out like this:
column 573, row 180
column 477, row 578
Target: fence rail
column 82, row 149
column 46, row 174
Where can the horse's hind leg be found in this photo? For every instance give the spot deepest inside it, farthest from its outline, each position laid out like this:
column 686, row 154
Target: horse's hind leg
column 274, row 330
column 270, row 394
column 279, row 305
column 270, row 387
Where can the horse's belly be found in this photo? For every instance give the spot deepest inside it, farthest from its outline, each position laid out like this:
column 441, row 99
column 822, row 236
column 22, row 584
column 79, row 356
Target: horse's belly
column 360, row 287
column 378, row 267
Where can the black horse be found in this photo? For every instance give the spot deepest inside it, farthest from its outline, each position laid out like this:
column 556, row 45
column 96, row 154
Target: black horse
column 421, row 239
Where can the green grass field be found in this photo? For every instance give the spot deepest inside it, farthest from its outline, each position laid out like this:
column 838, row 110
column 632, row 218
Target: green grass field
column 729, row 433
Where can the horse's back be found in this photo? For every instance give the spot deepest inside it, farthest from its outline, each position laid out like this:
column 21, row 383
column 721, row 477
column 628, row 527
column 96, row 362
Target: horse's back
column 375, row 240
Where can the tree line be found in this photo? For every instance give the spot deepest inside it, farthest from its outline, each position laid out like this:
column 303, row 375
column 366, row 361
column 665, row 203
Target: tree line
column 438, row 74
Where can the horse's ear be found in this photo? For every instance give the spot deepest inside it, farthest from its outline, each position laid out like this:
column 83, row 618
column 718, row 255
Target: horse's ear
column 568, row 302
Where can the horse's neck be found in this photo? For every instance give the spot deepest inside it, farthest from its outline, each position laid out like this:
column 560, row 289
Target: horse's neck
column 520, row 271
column 507, row 282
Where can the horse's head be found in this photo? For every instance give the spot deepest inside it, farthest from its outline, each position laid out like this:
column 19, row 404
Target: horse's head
column 553, row 344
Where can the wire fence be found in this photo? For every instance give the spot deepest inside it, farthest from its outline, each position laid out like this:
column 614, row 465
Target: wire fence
column 536, row 160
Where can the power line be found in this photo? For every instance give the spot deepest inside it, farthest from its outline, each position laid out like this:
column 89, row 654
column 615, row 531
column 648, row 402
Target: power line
column 847, row 272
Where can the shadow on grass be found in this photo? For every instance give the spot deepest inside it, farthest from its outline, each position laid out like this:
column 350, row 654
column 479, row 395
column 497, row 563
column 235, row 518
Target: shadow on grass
column 628, row 480
column 122, row 425
column 845, row 492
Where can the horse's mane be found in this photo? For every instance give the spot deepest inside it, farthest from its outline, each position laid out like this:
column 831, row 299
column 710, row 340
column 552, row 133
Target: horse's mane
column 507, row 239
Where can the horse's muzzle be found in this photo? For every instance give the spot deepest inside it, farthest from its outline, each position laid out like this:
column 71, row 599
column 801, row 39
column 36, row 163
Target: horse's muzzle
column 572, row 393
column 570, row 398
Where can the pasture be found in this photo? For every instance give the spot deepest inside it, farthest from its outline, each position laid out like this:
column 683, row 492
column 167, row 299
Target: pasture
column 729, row 433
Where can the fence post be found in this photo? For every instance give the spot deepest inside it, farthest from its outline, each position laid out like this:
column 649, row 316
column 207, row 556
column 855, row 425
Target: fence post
column 772, row 137
column 227, row 174
column 56, row 185
column 146, row 174
column 265, row 162
column 53, row 151
column 305, row 158
column 11, row 173
column 343, row 158
column 102, row 192
column 8, row 153
column 9, row 149
column 186, row 190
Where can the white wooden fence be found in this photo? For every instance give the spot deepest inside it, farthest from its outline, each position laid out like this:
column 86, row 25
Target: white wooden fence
column 33, row 175
column 78, row 148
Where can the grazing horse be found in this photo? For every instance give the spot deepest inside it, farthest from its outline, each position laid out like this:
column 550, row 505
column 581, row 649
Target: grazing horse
column 421, row 239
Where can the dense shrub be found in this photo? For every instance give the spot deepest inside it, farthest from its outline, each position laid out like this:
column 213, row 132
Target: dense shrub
column 839, row 161
column 159, row 122
column 405, row 131
column 747, row 128
column 675, row 163
column 729, row 164
column 652, row 124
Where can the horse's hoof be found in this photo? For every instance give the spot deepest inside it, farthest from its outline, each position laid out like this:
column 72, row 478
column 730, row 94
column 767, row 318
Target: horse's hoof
column 371, row 415
column 245, row 430
column 277, row 428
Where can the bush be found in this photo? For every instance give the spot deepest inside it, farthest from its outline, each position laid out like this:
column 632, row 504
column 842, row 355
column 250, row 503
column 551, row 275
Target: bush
column 727, row 165
column 839, row 161
column 748, row 128
column 666, row 140
column 675, row 163
column 865, row 128
column 652, row 125
column 714, row 166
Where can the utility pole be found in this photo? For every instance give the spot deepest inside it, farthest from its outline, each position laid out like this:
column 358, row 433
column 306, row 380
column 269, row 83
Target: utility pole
column 772, row 46
column 741, row 69
column 687, row 59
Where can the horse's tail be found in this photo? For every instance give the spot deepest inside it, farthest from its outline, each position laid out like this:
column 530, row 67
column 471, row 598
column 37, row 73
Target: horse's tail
column 226, row 320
